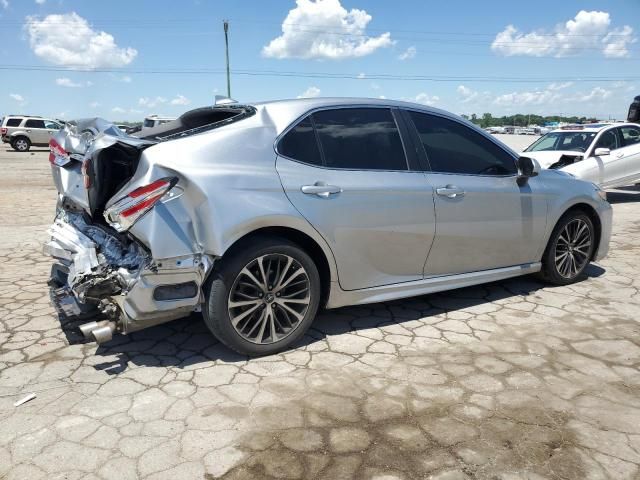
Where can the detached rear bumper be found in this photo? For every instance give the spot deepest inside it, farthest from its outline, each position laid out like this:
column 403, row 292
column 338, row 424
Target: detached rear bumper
column 98, row 270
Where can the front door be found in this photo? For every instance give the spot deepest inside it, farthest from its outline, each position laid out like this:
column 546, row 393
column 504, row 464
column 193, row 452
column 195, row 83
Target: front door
column 625, row 167
column 37, row 132
column 484, row 219
column 346, row 172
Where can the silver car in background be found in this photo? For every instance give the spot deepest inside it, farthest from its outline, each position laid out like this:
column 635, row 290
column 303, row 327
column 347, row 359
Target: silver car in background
column 259, row 214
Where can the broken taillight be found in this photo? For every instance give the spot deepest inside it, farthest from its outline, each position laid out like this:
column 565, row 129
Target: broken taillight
column 126, row 211
column 3, row 131
column 57, row 155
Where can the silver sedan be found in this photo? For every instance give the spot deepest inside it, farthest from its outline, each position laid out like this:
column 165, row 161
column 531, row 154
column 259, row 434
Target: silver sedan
column 258, row 215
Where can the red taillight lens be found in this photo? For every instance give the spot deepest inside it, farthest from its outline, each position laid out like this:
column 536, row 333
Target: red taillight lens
column 3, row 131
column 57, row 155
column 126, row 211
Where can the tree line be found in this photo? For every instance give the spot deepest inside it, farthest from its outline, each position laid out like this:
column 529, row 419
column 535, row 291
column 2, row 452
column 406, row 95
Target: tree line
column 522, row 120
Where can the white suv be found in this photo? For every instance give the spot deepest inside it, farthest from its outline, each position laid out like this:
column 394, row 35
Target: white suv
column 24, row 131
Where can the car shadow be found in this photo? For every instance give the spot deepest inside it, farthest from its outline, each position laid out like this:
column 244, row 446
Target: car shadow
column 187, row 342
column 624, row 194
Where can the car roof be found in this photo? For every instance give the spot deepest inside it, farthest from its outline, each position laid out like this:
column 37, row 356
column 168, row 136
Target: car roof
column 593, row 127
column 283, row 112
column 319, row 102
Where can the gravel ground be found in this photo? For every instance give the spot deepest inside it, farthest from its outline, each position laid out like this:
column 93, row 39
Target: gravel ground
column 511, row 380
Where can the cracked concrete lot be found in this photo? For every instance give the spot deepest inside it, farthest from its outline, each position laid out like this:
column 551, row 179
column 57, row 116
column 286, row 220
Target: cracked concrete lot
column 511, row 380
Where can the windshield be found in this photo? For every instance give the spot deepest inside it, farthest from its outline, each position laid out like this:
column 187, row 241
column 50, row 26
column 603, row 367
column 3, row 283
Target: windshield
column 566, row 141
column 148, row 123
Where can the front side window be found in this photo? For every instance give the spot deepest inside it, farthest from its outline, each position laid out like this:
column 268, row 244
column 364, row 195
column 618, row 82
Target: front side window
column 300, row 144
column 14, row 122
column 34, row 124
column 52, row 125
column 452, row 147
column 360, row 139
column 630, row 136
column 609, row 139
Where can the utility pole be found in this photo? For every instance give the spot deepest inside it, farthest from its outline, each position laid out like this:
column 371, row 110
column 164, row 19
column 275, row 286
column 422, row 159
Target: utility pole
column 225, row 24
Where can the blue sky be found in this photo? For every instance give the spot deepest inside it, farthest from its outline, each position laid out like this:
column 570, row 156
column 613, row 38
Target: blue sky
column 124, row 59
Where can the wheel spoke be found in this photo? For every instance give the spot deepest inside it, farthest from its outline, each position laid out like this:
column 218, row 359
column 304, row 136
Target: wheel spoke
column 244, row 314
column 244, row 303
column 256, row 283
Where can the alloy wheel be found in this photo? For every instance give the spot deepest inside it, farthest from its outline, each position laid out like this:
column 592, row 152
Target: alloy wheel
column 573, row 248
column 269, row 298
column 21, row 145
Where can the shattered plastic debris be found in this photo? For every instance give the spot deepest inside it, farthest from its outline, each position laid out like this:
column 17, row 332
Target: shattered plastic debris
column 26, row 399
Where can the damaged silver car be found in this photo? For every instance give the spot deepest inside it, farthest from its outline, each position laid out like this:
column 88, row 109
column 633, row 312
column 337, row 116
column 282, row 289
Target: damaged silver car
column 259, row 214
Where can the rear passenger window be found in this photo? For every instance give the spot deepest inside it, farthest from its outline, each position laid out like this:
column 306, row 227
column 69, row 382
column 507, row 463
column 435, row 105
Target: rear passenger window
column 630, row 136
column 455, row 148
column 14, row 122
column 360, row 139
column 34, row 124
column 300, row 144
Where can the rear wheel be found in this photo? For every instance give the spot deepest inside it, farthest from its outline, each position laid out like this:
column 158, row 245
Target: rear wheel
column 569, row 250
column 21, row 144
column 263, row 297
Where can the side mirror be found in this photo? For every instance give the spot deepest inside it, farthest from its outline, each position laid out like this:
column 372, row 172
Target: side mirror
column 527, row 168
column 602, row 152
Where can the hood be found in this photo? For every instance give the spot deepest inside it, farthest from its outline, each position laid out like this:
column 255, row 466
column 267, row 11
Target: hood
column 548, row 158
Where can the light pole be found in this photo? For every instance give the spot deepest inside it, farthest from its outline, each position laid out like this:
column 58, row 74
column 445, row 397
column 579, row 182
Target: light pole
column 225, row 24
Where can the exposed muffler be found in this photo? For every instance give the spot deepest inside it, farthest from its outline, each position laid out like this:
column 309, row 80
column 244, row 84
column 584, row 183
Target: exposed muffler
column 99, row 332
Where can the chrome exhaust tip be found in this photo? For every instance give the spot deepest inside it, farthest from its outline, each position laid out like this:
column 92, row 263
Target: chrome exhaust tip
column 99, row 332
column 103, row 333
column 87, row 328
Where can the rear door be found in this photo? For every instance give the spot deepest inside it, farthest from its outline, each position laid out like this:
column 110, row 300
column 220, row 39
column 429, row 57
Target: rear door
column 484, row 219
column 37, row 132
column 347, row 173
column 625, row 167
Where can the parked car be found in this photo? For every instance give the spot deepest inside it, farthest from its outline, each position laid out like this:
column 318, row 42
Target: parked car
column 258, row 215
column 24, row 131
column 606, row 154
column 154, row 121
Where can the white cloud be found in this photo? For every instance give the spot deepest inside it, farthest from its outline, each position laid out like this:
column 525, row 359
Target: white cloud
column 408, row 53
column 4, row 3
column 310, row 92
column 126, row 79
column 324, row 29
column 527, row 98
column 180, row 100
column 426, row 99
column 586, row 32
column 67, row 82
column 559, row 86
column 595, row 95
column 41, row 2
column 151, row 102
column 466, row 93
column 94, row 104
column 17, row 97
column 70, row 41
column 118, row 110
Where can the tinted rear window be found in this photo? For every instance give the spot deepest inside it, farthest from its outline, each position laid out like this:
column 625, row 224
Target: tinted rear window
column 14, row 122
column 34, row 124
column 300, row 144
column 360, row 139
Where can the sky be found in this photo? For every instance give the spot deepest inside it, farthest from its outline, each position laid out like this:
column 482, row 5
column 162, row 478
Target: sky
column 124, row 59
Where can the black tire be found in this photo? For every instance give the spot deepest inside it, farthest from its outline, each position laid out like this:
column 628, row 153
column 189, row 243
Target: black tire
column 21, row 144
column 218, row 288
column 554, row 270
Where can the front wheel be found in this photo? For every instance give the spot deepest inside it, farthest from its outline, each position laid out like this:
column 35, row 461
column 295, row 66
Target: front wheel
column 263, row 297
column 569, row 250
column 21, row 144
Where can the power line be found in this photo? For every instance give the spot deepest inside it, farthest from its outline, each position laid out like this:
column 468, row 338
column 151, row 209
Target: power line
column 326, row 75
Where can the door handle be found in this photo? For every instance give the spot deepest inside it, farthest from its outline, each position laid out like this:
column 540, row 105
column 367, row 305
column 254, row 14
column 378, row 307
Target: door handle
column 450, row 191
column 619, row 154
column 320, row 189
